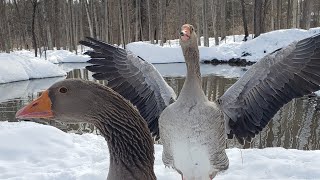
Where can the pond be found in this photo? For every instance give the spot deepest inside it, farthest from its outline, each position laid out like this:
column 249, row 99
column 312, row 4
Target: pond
column 296, row 125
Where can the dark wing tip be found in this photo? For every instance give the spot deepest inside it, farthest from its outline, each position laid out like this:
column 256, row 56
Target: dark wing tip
column 295, row 74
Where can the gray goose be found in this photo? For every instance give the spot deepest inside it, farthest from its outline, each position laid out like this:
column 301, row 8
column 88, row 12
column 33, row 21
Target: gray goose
column 130, row 144
column 192, row 129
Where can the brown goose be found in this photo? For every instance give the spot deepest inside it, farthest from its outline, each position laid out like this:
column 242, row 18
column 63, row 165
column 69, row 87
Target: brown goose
column 192, row 129
column 129, row 141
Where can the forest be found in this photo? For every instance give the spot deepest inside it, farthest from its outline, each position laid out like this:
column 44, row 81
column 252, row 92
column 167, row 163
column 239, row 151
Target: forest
column 48, row 24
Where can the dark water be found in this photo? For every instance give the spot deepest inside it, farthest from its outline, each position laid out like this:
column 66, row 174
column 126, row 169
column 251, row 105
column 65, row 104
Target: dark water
column 296, row 125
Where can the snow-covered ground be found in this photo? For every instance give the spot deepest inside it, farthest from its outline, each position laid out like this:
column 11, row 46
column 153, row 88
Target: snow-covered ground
column 180, row 69
column 258, row 47
column 64, row 56
column 39, row 152
column 17, row 67
column 22, row 89
column 22, row 65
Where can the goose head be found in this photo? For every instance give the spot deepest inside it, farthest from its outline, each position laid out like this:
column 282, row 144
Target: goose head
column 188, row 37
column 119, row 122
column 71, row 101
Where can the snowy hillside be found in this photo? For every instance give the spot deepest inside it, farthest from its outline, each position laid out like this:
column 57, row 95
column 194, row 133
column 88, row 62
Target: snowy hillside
column 254, row 49
column 17, row 67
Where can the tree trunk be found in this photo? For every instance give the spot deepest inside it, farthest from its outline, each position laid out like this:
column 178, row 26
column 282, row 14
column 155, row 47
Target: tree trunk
column 215, row 20
column 223, row 19
column 149, row 22
column 272, row 15
column 34, row 40
column 289, row 11
column 137, row 20
column 244, row 19
column 89, row 18
column 161, row 22
column 257, row 18
column 122, row 30
column 278, row 22
column 205, row 23
column 306, row 14
column 295, row 13
column 96, row 23
column 24, row 44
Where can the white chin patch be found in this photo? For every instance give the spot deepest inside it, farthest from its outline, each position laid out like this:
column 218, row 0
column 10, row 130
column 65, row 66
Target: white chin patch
column 184, row 38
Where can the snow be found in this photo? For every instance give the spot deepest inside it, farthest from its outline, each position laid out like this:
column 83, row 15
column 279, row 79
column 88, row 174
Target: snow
column 20, row 66
column 33, row 151
column 257, row 47
column 64, row 56
column 24, row 88
column 180, row 70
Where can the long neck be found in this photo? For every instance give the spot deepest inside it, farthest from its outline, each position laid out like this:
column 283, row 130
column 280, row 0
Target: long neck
column 192, row 86
column 129, row 140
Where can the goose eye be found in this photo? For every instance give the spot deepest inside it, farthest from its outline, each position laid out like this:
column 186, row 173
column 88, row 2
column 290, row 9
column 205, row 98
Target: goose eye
column 63, row 90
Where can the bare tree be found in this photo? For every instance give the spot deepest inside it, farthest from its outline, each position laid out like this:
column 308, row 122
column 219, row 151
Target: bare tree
column 137, row 11
column 223, row 19
column 289, row 12
column 215, row 20
column 306, row 14
column 295, row 13
column 257, row 18
column 89, row 17
column 161, row 22
column 205, row 23
column 34, row 40
column 244, row 19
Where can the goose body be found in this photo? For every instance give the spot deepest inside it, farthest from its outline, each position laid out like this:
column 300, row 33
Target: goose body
column 190, row 128
column 193, row 130
column 189, row 146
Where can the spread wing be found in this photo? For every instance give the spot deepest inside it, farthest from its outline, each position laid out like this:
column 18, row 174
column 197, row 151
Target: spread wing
column 133, row 78
column 272, row 82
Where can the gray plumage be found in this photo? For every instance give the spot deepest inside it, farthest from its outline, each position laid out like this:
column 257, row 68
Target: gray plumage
column 193, row 130
column 133, row 78
column 272, row 82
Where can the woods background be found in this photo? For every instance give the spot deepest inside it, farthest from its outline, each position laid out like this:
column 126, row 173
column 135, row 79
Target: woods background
column 30, row 24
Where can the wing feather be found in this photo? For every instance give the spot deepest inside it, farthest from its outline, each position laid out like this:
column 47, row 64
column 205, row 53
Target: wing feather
column 133, row 78
column 272, row 82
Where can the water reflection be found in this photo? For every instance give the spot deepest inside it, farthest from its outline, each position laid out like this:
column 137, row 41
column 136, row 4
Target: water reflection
column 296, row 125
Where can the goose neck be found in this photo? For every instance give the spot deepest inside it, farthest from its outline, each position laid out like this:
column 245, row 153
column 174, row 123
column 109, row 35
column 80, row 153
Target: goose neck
column 192, row 85
column 129, row 141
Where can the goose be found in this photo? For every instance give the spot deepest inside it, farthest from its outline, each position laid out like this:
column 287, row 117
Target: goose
column 192, row 129
column 243, row 111
column 128, row 137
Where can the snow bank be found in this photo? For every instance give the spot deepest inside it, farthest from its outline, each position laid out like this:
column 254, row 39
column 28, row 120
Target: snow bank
column 180, row 70
column 20, row 66
column 23, row 89
column 33, row 151
column 64, row 56
column 254, row 49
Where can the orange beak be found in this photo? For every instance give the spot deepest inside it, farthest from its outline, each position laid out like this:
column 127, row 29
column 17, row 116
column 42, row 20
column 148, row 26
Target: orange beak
column 39, row 108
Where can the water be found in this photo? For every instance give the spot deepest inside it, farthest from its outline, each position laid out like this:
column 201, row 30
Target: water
column 296, row 125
